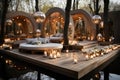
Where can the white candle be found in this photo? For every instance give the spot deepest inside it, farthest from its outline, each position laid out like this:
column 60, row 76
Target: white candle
column 10, row 47
column 87, row 57
column 75, row 60
column 54, row 51
column 91, row 57
column 102, row 53
column 67, row 50
column 51, row 55
column 45, row 53
column 58, row 54
column 97, row 54
column 110, row 40
column 55, row 56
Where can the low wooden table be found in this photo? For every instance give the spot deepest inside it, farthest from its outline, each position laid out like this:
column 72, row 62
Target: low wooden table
column 63, row 68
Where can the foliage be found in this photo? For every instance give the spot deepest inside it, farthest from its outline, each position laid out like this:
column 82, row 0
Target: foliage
column 29, row 5
column 114, row 6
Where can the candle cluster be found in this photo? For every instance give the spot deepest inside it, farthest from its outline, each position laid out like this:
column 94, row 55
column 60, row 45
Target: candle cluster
column 75, row 58
column 52, row 54
column 96, row 52
column 6, row 46
column 73, row 55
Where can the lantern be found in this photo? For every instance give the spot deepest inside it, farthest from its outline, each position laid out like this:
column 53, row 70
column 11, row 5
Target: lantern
column 9, row 22
column 39, row 16
column 96, row 19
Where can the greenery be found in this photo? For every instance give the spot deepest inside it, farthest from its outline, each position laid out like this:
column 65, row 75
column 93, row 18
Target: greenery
column 45, row 5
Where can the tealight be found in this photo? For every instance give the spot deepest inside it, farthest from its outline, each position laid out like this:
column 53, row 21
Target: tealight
column 91, row 57
column 45, row 53
column 97, row 54
column 54, row 56
column 18, row 38
column 10, row 47
column 67, row 50
column 75, row 60
column 53, row 51
column 94, row 55
column 87, row 57
column 58, row 54
column 115, row 47
column 51, row 55
column 102, row 53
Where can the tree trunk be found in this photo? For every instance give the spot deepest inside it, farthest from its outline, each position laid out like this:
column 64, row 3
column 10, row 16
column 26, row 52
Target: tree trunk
column 73, row 4
column 77, row 2
column 105, row 15
column 97, row 13
column 4, row 12
column 36, row 5
column 17, row 4
column 67, row 19
column 97, row 7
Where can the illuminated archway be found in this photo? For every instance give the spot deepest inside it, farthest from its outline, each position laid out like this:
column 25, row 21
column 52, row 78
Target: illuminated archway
column 23, row 20
column 54, row 23
column 85, row 19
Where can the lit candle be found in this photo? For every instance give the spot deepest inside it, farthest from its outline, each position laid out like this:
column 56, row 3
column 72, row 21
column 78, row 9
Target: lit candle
column 67, row 50
column 18, row 38
column 110, row 40
column 91, row 57
column 97, row 54
column 115, row 47
column 45, row 53
column 54, row 56
column 10, row 47
column 87, row 57
column 88, row 38
column 51, row 55
column 75, row 60
column 58, row 54
column 94, row 55
column 54, row 51
column 20, row 31
column 7, row 61
column 102, row 53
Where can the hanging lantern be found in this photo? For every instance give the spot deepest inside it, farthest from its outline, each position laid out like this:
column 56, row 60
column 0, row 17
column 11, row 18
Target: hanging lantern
column 96, row 19
column 38, row 33
column 9, row 22
column 99, row 37
column 39, row 16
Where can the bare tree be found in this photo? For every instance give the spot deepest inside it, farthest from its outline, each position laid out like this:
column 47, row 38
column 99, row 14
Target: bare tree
column 17, row 4
column 5, row 4
column 75, row 4
column 105, row 15
column 67, row 19
column 36, row 5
